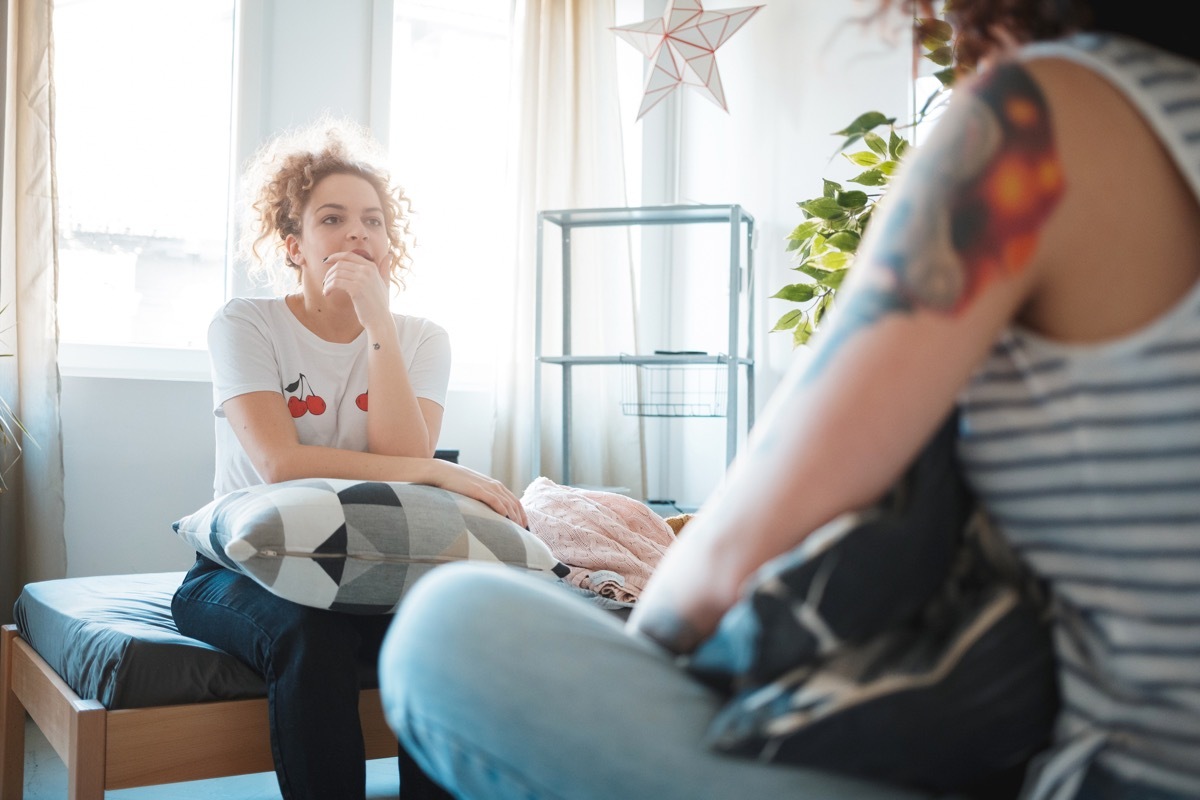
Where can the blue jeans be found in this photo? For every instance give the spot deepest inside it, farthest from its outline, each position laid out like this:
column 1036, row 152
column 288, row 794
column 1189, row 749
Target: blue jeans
column 505, row 686
column 312, row 661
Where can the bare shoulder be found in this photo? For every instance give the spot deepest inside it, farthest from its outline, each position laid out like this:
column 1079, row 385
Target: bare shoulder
column 1124, row 243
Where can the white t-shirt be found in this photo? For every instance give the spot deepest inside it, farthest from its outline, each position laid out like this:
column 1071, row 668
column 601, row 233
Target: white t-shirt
column 257, row 344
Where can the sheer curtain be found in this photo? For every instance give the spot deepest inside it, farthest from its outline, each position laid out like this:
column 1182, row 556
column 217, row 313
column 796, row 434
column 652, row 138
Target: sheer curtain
column 568, row 154
column 32, row 546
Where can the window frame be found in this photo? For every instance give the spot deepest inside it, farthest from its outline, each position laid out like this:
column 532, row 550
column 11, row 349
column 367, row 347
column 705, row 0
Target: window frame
column 249, row 126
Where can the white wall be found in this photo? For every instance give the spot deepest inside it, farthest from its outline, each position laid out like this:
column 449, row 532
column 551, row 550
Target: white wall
column 795, row 73
column 138, row 453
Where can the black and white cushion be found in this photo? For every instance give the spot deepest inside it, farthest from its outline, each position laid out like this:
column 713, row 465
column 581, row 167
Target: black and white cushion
column 355, row 546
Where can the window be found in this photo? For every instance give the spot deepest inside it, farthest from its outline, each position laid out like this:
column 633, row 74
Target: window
column 142, row 122
column 449, row 146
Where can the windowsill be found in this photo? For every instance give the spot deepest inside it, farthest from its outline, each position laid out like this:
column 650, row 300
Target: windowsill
column 77, row 360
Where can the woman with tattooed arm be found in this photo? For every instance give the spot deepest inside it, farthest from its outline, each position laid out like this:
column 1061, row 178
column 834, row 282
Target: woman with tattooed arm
column 1036, row 264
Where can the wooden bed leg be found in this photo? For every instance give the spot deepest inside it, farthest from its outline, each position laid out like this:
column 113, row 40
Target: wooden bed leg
column 88, row 749
column 12, row 725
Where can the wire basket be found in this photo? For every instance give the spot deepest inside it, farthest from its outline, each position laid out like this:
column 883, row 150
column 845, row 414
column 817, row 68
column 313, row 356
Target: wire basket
column 674, row 390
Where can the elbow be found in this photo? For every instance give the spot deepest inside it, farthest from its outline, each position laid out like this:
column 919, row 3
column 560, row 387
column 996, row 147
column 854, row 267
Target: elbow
column 276, row 467
column 273, row 474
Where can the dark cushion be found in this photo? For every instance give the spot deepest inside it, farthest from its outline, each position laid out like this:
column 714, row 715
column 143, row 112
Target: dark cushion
column 112, row 638
column 902, row 643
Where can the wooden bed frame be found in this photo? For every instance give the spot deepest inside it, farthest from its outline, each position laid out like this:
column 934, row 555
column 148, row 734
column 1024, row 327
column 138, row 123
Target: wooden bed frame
column 124, row 748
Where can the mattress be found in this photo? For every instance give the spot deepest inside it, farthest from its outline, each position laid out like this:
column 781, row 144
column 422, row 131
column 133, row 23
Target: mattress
column 112, row 639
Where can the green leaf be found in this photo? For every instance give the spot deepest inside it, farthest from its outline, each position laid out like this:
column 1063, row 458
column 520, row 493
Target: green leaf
column 835, row 260
column 804, row 231
column 864, row 123
column 802, row 333
column 852, row 199
column 824, row 208
column 946, row 76
column 897, row 144
column 876, row 143
column 788, row 321
column 846, row 241
column 863, row 158
column 834, row 281
column 796, row 293
column 864, row 219
column 935, row 30
column 821, row 276
column 831, row 188
column 872, row 177
column 942, row 56
column 818, row 312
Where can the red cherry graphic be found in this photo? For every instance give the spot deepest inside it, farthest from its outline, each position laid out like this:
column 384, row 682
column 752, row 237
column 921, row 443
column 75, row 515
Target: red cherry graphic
column 361, row 401
column 307, row 401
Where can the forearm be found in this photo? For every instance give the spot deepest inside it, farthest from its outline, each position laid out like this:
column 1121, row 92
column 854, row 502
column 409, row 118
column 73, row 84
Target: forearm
column 795, row 476
column 291, row 461
column 395, row 424
column 297, row 460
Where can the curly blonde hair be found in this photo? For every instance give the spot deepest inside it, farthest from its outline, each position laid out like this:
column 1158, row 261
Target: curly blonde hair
column 279, row 181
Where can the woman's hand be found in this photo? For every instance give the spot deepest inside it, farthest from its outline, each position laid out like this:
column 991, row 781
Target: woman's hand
column 352, row 272
column 466, row 481
column 690, row 589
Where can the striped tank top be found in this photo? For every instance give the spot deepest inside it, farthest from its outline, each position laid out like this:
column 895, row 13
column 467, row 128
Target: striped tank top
column 1088, row 458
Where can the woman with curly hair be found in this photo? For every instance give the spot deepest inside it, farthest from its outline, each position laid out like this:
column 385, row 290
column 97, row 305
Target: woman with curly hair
column 322, row 381
column 1035, row 269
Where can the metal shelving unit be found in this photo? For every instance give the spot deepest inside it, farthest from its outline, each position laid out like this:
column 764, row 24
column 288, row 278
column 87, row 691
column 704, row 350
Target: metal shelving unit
column 735, row 363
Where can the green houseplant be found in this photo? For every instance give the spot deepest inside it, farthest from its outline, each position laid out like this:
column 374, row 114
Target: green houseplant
column 824, row 244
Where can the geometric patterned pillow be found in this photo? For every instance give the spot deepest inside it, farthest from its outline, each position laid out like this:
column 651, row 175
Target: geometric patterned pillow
column 355, row 546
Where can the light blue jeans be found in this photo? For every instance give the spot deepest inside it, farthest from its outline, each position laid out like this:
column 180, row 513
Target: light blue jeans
column 505, row 686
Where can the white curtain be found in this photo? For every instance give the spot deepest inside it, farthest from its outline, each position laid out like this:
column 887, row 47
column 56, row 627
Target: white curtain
column 32, row 545
column 568, row 154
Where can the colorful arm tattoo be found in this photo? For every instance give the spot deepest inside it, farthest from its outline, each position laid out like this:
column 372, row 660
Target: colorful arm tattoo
column 980, row 192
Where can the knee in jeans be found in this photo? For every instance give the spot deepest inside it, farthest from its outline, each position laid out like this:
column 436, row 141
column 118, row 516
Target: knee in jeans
column 455, row 593
column 313, row 641
column 450, row 614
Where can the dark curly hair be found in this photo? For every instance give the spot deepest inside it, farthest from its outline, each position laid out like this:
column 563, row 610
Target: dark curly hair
column 977, row 23
column 280, row 180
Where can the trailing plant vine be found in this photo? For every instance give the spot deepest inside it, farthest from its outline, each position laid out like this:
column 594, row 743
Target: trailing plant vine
column 825, row 243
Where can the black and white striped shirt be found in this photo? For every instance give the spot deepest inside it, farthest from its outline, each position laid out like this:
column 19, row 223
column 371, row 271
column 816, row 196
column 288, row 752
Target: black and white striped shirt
column 1088, row 457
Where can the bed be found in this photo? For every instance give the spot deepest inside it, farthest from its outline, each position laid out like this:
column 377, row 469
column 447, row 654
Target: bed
column 126, row 700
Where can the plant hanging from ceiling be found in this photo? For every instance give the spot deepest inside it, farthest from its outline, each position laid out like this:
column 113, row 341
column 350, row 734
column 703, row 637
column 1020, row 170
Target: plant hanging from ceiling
column 825, row 243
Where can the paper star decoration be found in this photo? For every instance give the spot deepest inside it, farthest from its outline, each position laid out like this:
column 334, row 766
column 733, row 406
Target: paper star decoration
column 682, row 48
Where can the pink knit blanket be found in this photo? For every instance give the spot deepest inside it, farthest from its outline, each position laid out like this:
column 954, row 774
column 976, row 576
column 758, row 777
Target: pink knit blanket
column 611, row 542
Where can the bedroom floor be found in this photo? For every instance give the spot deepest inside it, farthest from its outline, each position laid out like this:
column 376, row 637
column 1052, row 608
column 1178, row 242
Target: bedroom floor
column 46, row 779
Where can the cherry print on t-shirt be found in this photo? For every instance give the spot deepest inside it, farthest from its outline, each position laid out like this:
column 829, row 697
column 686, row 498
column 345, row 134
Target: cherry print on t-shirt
column 361, row 401
column 307, row 401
